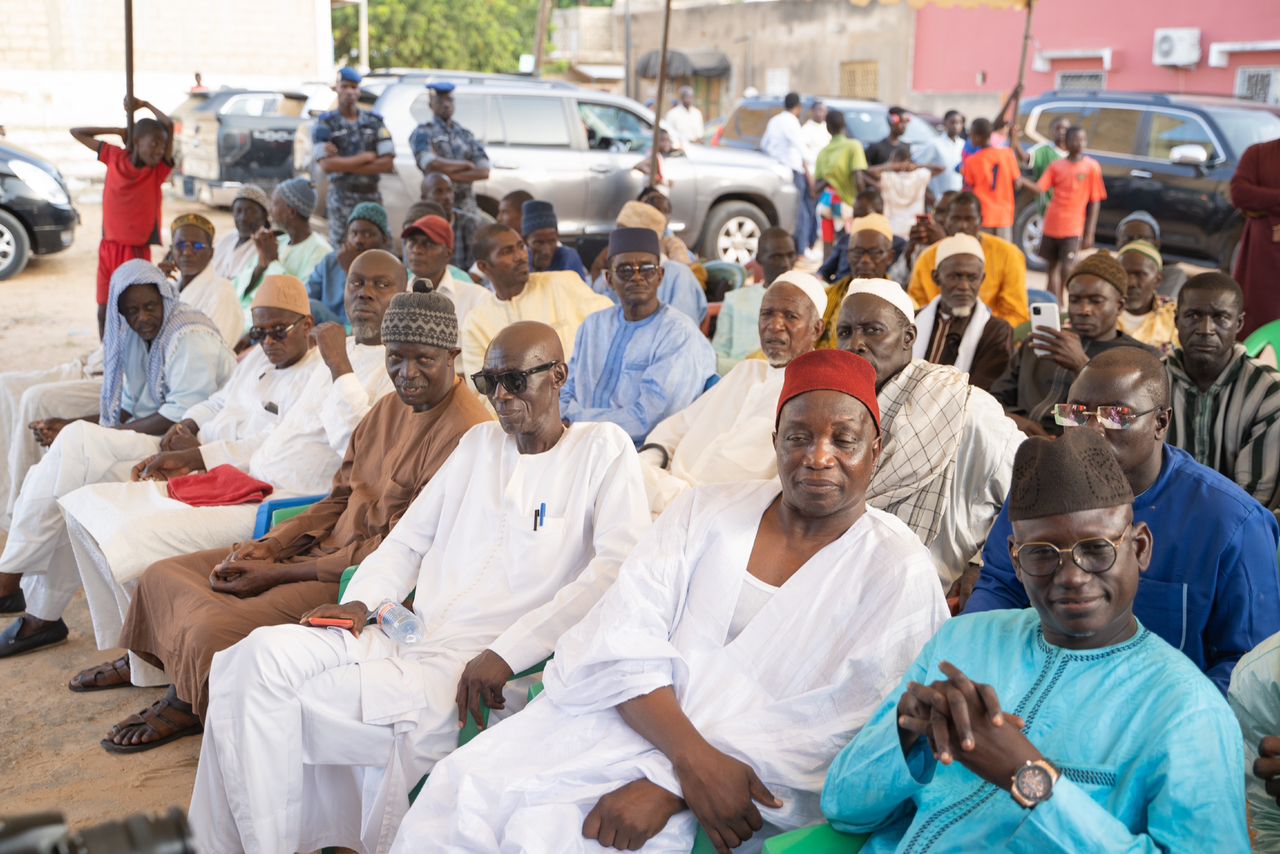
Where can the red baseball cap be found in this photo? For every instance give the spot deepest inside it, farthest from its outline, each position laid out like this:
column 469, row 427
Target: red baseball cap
column 436, row 228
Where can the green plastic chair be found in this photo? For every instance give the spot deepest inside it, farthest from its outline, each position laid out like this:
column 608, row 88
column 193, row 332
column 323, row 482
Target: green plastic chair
column 1021, row 331
column 815, row 839
column 1262, row 338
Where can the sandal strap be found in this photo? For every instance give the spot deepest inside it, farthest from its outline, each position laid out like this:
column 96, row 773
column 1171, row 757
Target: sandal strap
column 94, row 675
column 156, row 711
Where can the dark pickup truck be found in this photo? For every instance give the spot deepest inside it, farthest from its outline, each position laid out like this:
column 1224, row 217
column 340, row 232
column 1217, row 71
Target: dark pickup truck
column 232, row 137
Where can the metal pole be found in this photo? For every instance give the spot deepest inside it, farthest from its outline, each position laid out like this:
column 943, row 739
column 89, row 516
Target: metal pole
column 629, row 77
column 128, row 65
column 364, row 36
column 658, row 99
column 544, row 20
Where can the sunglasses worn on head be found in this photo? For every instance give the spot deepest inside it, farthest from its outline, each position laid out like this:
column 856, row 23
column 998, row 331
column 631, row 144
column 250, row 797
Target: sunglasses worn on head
column 259, row 333
column 515, row 382
column 1110, row 417
column 185, row 245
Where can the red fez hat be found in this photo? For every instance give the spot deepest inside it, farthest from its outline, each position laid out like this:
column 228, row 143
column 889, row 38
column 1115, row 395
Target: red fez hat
column 831, row 370
column 436, row 228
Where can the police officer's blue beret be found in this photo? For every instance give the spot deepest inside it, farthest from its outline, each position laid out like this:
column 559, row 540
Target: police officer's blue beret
column 349, row 75
column 444, row 87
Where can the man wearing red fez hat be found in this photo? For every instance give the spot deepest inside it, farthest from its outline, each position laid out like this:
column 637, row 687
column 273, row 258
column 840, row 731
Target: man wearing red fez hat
column 428, row 249
column 664, row 706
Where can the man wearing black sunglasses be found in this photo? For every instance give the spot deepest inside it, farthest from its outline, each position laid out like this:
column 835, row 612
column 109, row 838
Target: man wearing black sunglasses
column 1116, row 741
column 1212, row 590
column 640, row 361
column 508, row 545
column 199, row 283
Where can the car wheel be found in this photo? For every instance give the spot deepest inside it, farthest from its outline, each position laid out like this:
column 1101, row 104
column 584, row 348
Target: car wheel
column 15, row 246
column 732, row 232
column 1028, row 228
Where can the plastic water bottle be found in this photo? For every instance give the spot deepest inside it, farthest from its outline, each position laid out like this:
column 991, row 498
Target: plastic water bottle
column 399, row 623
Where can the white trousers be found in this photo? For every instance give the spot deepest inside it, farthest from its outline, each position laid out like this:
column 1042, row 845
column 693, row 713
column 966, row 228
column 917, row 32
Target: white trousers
column 140, row 524
column 314, row 738
column 38, row 545
column 64, row 391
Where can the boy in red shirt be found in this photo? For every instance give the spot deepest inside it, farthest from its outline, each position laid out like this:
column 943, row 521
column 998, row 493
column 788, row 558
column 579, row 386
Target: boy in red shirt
column 1072, row 215
column 993, row 175
column 131, row 197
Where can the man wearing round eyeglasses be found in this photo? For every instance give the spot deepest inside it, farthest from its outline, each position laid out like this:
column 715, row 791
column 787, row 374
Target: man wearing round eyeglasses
column 870, row 255
column 1072, row 726
column 957, row 328
column 510, row 544
column 1212, row 590
column 641, row 361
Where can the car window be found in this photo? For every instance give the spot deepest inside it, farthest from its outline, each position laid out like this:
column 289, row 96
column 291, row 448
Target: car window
column 752, row 120
column 869, row 126
column 612, row 128
column 1243, row 128
column 534, row 121
column 1169, row 130
column 1042, row 128
column 468, row 111
column 1111, row 130
column 918, row 130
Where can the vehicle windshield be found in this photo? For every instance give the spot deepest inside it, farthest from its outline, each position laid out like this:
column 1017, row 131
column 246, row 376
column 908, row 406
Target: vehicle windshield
column 611, row 128
column 870, row 126
column 1243, row 127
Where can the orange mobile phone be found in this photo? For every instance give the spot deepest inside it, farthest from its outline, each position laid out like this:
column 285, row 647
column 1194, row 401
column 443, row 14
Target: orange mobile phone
column 322, row 622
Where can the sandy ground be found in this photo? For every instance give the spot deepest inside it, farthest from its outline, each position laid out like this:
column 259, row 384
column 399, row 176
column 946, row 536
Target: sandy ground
column 49, row 752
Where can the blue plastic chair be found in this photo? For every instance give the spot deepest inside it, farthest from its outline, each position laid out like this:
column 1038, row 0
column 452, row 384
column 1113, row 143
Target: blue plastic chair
column 274, row 511
column 1035, row 295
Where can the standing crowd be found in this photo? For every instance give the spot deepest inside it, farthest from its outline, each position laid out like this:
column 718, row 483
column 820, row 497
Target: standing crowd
column 488, row 546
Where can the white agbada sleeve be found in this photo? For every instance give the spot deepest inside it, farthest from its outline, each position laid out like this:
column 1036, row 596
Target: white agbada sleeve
column 620, row 513
column 622, row 649
column 392, row 570
column 351, row 397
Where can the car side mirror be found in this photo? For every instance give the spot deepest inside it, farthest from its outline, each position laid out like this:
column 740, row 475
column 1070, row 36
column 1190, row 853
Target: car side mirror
column 1191, row 154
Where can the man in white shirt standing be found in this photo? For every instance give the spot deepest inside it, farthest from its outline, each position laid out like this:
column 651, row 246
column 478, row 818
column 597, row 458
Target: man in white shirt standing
column 684, row 119
column 783, row 140
column 816, row 135
column 945, row 151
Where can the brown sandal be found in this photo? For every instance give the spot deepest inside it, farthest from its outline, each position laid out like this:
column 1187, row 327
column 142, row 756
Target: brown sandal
column 158, row 723
column 104, row 677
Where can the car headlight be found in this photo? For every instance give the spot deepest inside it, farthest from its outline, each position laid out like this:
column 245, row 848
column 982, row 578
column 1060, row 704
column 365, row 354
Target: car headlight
column 42, row 184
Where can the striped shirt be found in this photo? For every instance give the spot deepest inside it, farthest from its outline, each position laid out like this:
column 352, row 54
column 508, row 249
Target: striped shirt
column 1234, row 427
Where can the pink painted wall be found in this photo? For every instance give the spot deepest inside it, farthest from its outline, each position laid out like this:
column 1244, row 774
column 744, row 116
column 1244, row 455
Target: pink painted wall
column 954, row 45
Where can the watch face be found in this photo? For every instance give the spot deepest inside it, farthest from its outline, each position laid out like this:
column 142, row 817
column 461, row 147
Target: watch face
column 1034, row 783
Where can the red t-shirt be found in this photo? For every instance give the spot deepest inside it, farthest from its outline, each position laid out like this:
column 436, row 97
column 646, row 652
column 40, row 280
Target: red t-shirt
column 1075, row 185
column 992, row 174
column 131, row 198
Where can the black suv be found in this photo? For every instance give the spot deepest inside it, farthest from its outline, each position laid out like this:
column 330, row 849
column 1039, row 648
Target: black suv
column 36, row 214
column 1170, row 155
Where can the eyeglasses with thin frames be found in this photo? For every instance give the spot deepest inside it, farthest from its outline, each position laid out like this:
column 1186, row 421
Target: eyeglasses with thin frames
column 1094, row 555
column 1110, row 417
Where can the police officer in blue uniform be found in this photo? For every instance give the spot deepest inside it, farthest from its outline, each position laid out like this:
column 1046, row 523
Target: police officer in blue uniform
column 353, row 147
column 443, row 145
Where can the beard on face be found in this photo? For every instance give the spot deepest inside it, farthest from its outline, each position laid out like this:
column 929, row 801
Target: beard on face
column 959, row 311
column 364, row 329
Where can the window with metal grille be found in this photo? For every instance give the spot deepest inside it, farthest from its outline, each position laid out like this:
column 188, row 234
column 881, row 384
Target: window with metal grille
column 860, row 79
column 1258, row 84
column 1082, row 80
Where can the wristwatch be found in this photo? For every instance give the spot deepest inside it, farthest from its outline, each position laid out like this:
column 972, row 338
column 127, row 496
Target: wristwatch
column 1033, row 782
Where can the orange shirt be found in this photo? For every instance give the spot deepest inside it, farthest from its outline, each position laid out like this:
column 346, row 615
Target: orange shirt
column 1075, row 184
column 992, row 174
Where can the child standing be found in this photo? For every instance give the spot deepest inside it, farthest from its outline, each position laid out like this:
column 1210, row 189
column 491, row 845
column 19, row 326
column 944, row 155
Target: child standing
column 1072, row 215
column 131, row 197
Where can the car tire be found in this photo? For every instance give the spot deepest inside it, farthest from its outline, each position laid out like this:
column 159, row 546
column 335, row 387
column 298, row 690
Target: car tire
column 732, row 232
column 15, row 246
column 1027, row 230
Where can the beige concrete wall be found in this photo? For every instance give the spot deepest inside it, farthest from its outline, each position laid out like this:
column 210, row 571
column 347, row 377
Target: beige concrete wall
column 809, row 38
column 62, row 61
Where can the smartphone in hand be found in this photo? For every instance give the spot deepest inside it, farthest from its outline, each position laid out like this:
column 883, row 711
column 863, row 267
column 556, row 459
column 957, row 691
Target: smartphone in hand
column 1044, row 315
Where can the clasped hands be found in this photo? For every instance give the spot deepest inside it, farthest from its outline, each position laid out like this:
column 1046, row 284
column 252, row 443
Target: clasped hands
column 964, row 723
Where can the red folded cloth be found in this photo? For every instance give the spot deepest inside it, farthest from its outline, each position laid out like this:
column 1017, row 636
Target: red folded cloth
column 224, row 485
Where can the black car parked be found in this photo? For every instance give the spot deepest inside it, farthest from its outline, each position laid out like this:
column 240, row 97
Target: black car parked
column 1170, row 155
column 36, row 214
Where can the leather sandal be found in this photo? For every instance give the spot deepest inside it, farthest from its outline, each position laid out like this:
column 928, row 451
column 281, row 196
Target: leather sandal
column 104, row 677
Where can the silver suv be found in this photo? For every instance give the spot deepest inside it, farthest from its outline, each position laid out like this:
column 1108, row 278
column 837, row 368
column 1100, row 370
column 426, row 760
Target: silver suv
column 578, row 149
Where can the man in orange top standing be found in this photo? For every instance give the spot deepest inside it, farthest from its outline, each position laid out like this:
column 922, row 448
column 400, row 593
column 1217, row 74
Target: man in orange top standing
column 993, row 175
column 1072, row 215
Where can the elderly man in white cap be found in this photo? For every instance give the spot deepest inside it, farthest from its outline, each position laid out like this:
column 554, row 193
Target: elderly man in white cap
column 957, row 328
column 948, row 447
column 727, row 434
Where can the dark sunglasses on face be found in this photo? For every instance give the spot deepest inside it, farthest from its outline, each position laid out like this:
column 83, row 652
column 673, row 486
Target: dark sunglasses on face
column 187, row 245
column 258, row 333
column 515, row 382
column 627, row 272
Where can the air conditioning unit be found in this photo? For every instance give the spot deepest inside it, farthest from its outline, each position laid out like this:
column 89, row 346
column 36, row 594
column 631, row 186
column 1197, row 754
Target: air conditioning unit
column 1178, row 46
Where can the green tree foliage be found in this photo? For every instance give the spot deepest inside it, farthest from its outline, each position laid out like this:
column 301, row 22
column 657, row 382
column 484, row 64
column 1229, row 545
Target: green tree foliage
column 467, row 36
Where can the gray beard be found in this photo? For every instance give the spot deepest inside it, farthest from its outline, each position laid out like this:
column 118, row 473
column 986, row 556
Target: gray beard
column 363, row 331
column 958, row 312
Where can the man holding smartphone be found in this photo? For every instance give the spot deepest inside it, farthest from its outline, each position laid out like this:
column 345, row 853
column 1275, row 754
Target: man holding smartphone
column 1046, row 363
